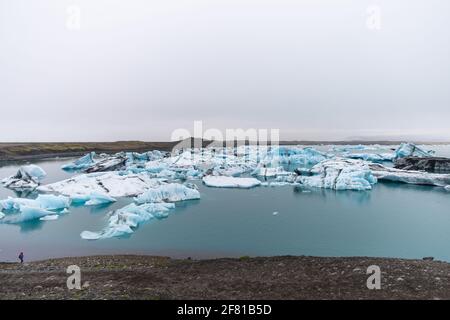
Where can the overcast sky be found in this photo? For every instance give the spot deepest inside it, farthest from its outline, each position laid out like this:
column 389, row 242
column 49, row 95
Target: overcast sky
column 139, row 69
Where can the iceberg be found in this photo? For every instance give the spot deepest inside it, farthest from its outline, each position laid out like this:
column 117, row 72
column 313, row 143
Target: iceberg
column 270, row 172
column 27, row 178
column 171, row 192
column 91, row 199
column 409, row 176
column 26, row 214
column 411, row 150
column 110, row 163
column 81, row 163
column 20, row 210
column 112, row 184
column 52, row 202
column 49, row 217
column 373, row 157
column 46, row 202
column 340, row 174
column 123, row 221
column 293, row 155
column 230, row 182
column 347, row 148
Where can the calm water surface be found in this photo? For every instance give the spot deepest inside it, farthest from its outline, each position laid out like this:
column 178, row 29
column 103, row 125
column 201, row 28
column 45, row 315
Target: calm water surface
column 392, row 220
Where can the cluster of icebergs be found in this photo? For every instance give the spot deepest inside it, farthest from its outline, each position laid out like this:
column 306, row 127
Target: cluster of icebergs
column 156, row 180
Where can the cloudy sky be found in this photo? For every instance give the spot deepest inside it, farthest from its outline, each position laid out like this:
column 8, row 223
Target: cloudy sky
column 139, row 69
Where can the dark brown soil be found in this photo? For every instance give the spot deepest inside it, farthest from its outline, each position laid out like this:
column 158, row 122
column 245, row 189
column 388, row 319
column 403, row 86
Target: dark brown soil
column 147, row 277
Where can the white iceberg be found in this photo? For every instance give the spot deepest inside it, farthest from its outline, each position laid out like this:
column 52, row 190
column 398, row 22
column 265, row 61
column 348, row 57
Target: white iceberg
column 172, row 192
column 230, row 182
column 340, row 174
column 27, row 177
column 123, row 221
column 112, row 184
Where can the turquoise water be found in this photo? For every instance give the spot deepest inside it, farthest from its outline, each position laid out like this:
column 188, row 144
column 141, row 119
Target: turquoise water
column 392, row 220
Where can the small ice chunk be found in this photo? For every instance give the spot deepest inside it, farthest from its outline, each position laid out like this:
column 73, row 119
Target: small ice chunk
column 275, row 213
column 230, row 182
column 447, row 188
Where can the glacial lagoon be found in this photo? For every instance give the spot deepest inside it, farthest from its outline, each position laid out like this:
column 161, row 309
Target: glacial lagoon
column 391, row 220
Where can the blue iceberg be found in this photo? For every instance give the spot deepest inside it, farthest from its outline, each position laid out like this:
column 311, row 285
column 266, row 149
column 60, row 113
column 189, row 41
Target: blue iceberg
column 411, row 150
column 16, row 210
column 91, row 199
column 82, row 163
column 123, row 221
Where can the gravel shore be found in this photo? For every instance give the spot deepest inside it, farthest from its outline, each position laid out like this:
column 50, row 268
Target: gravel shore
column 284, row 277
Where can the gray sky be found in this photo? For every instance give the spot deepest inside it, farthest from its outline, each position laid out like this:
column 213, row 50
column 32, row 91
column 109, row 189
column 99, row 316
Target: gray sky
column 139, row 69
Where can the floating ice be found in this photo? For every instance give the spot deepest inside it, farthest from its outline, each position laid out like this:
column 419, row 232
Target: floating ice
column 91, row 199
column 81, row 163
column 20, row 210
column 346, row 148
column 26, row 214
column 27, row 177
column 43, row 201
column 112, row 184
column 340, row 174
column 230, row 182
column 168, row 193
column 123, row 221
column 409, row 176
column 292, row 155
column 49, row 217
column 109, row 163
column 270, row 172
column 411, row 150
column 373, row 157
column 52, row 202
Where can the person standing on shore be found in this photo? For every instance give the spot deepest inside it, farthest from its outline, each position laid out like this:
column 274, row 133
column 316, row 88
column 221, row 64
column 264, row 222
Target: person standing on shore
column 21, row 257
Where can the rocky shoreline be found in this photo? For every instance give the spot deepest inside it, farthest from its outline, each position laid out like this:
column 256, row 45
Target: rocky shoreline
column 284, row 277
